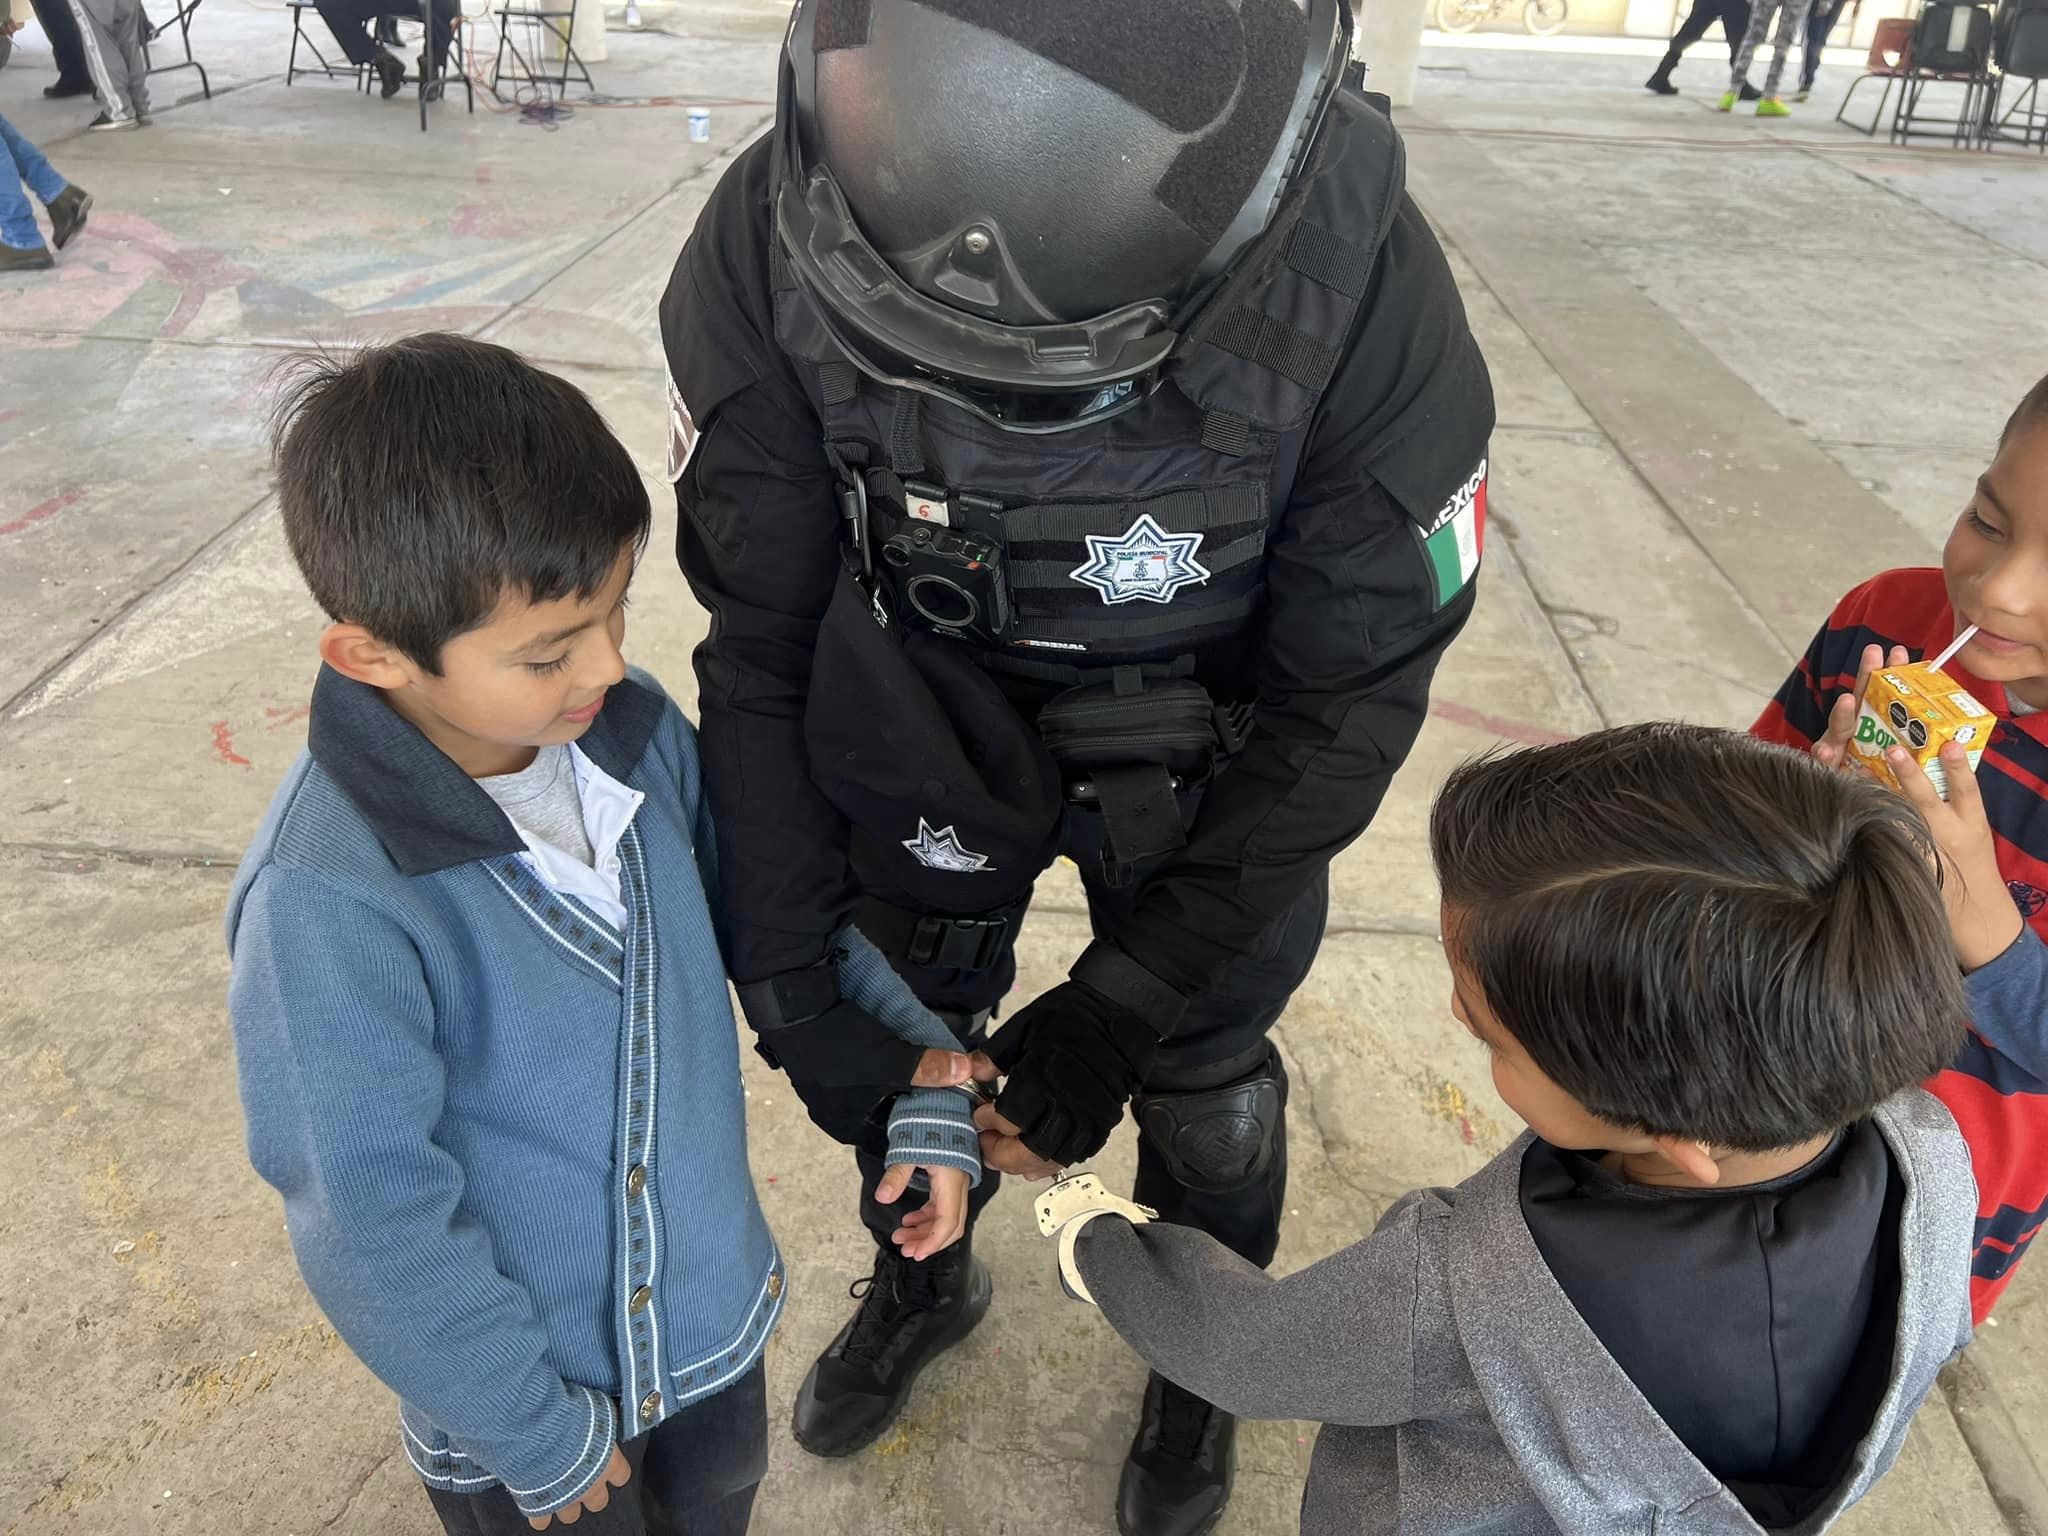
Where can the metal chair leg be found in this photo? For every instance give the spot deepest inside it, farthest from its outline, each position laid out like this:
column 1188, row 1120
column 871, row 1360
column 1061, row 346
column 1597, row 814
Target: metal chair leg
column 1877, row 117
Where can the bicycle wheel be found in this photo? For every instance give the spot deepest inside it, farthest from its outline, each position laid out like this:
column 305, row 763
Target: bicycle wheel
column 1545, row 18
column 1462, row 15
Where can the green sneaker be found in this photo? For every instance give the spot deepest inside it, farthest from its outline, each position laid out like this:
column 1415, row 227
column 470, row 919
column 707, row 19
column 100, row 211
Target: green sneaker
column 1770, row 106
column 1726, row 103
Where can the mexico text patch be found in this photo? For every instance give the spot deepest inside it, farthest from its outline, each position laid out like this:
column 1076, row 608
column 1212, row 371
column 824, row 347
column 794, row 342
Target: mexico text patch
column 1455, row 539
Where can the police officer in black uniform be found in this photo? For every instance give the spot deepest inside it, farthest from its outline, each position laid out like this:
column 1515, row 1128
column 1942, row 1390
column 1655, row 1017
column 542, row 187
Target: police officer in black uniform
column 1080, row 447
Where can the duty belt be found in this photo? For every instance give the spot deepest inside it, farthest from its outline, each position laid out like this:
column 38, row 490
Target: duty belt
column 938, row 943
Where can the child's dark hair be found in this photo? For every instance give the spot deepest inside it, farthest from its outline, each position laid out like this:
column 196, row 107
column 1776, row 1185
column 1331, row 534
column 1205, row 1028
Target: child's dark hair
column 2032, row 409
column 422, row 480
column 1698, row 935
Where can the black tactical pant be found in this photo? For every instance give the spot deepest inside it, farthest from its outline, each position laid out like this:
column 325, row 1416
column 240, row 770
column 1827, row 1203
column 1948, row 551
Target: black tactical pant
column 1221, row 1038
column 1733, row 16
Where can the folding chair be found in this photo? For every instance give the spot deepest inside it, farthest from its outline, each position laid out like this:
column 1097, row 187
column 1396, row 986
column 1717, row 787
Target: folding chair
column 431, row 88
column 182, row 20
column 1891, row 56
column 343, row 71
column 546, row 22
column 2021, row 52
column 1951, row 46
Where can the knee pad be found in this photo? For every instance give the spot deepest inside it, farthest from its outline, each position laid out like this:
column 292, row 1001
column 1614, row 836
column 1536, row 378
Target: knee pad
column 1221, row 1138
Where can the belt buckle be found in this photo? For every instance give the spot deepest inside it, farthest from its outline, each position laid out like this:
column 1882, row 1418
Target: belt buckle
column 988, row 939
column 929, row 942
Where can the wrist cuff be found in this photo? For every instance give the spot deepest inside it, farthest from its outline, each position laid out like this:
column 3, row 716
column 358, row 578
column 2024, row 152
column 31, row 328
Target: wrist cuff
column 1108, row 970
column 794, row 997
column 934, row 1128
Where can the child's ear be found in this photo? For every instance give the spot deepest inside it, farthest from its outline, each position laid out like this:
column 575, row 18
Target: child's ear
column 356, row 653
column 1695, row 1159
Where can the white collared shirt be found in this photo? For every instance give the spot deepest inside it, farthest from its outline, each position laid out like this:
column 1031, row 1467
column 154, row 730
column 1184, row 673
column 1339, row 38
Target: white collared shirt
column 608, row 809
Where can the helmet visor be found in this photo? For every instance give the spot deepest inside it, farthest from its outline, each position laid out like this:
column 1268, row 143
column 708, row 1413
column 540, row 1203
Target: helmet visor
column 1029, row 379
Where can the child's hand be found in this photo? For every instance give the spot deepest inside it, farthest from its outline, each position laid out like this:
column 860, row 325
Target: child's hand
column 942, row 1219
column 1981, row 915
column 1833, row 747
column 616, row 1474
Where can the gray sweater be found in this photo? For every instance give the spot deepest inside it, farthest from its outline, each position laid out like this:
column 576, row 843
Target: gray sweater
column 1458, row 1388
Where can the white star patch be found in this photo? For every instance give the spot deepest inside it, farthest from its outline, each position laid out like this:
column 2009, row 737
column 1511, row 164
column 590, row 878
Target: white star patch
column 942, row 850
column 1145, row 562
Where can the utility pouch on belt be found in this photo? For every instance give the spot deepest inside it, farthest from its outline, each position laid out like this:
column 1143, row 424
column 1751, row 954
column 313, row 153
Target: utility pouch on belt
column 1126, row 747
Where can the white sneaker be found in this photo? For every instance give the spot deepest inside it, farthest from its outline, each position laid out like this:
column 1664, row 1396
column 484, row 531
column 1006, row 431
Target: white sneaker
column 106, row 124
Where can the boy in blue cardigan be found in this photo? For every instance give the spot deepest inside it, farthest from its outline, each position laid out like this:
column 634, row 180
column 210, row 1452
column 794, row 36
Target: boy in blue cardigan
column 481, row 1020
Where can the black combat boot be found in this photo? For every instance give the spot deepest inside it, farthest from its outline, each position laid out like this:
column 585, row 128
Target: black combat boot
column 1177, row 1479
column 67, row 215
column 1660, row 82
column 909, row 1313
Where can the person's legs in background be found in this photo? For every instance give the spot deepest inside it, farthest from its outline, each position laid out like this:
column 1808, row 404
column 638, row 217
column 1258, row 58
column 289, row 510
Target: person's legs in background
column 1819, row 23
column 1760, row 13
column 61, row 28
column 106, row 60
column 1734, row 27
column 1734, row 18
column 1734, row 23
column 23, row 242
column 25, row 170
column 447, row 14
column 349, row 21
column 127, row 27
column 1690, row 31
column 1791, row 32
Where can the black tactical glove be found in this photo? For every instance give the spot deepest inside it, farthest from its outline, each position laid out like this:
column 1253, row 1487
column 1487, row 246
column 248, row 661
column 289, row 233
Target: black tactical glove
column 843, row 1062
column 1075, row 1056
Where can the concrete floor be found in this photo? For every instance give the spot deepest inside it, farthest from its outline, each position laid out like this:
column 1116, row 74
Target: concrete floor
column 1739, row 367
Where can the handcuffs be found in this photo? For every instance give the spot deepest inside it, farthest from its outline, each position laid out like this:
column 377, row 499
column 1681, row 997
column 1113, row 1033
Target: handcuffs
column 1067, row 1205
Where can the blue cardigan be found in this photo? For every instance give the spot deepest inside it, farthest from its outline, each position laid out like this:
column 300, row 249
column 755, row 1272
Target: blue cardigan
column 511, row 1138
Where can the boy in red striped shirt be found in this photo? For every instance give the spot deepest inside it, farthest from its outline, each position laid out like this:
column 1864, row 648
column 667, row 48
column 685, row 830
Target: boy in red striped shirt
column 1993, row 828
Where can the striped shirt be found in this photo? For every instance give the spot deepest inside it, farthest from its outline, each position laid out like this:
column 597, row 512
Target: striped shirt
column 1998, row 1088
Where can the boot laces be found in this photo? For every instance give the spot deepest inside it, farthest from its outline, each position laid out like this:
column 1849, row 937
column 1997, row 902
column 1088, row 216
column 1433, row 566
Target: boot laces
column 883, row 1298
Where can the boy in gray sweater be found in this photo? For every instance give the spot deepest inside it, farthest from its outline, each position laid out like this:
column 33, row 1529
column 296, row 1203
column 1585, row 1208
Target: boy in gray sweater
column 1710, row 1286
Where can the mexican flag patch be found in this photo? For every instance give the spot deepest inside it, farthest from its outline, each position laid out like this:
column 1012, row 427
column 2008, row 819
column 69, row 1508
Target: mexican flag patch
column 1454, row 540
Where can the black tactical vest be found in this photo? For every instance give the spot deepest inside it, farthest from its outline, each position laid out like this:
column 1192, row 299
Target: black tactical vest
column 1143, row 538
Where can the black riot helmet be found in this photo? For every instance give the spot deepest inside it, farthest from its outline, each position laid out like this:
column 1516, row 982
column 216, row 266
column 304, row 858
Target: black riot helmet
column 1016, row 205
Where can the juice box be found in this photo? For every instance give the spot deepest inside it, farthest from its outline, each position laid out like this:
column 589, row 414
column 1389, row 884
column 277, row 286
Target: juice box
column 1921, row 708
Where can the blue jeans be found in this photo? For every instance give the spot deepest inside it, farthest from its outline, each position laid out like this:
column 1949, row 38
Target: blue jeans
column 25, row 163
column 1819, row 23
